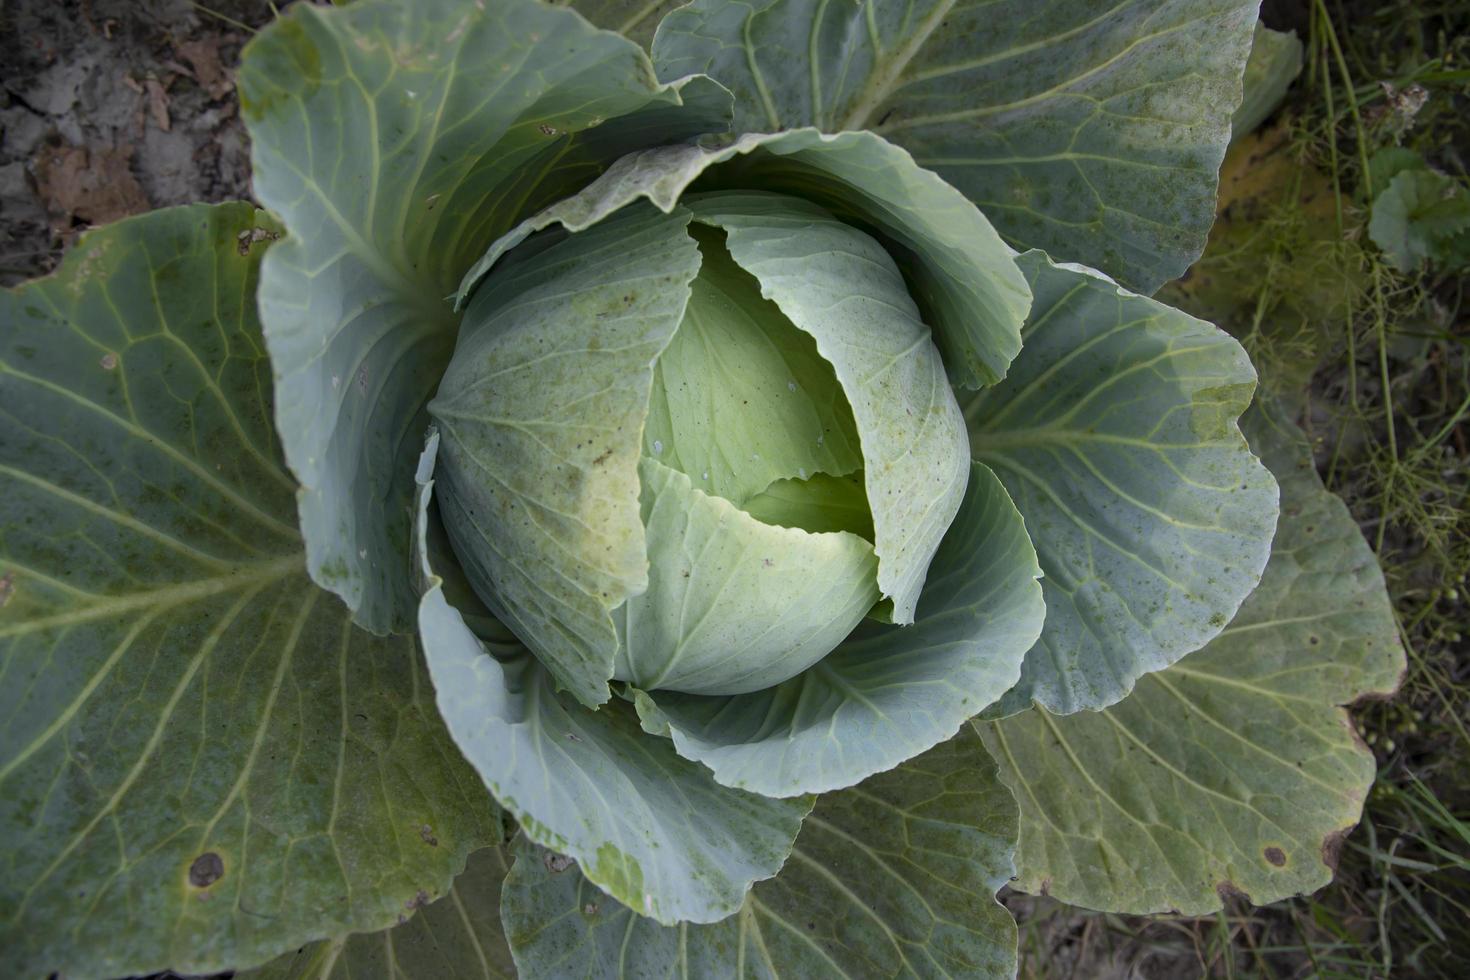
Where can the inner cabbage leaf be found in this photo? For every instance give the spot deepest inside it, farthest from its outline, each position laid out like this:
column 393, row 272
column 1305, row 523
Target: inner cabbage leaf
column 798, row 376
column 842, row 287
column 741, row 398
column 821, row 502
column 733, row 604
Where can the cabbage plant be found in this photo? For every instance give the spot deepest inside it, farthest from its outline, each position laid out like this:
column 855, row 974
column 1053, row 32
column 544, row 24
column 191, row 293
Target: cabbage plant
column 707, row 494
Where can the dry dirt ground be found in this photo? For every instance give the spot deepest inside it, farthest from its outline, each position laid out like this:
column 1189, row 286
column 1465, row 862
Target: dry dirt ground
column 110, row 108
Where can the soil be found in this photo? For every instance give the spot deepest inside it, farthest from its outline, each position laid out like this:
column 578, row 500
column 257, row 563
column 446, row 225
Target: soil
column 114, row 107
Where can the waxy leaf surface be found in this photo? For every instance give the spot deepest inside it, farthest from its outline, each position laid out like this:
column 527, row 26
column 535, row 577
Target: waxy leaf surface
column 741, row 397
column 895, row 877
column 634, row 19
column 1235, row 771
column 1116, row 435
column 735, row 604
column 649, row 827
column 203, row 763
column 457, row 937
column 839, row 286
column 962, row 276
column 1092, row 130
column 888, row 692
column 396, row 141
column 541, row 416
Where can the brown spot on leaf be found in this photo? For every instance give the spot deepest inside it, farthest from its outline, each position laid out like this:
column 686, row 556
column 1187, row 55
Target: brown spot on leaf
column 419, row 900
column 1332, row 847
column 109, row 361
column 207, row 868
column 1276, row 856
column 556, row 863
column 426, row 834
column 603, row 458
column 590, row 908
column 1228, row 890
column 251, row 236
column 1388, row 693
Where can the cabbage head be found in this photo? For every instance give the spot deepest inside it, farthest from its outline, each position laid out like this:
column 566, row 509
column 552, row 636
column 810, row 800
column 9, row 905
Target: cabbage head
column 692, row 451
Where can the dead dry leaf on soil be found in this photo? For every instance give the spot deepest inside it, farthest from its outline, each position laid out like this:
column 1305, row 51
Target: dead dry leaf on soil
column 157, row 103
column 95, row 186
column 202, row 56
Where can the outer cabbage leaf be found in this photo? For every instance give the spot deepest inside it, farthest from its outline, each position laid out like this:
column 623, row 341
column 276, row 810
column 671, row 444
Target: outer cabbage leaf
column 1116, row 435
column 1234, row 771
column 650, row 828
column 839, row 286
column 962, row 276
column 634, row 19
column 202, row 761
column 396, row 141
column 541, row 413
column 1275, row 62
column 457, row 937
column 888, row 693
column 892, row 878
column 1092, row 130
